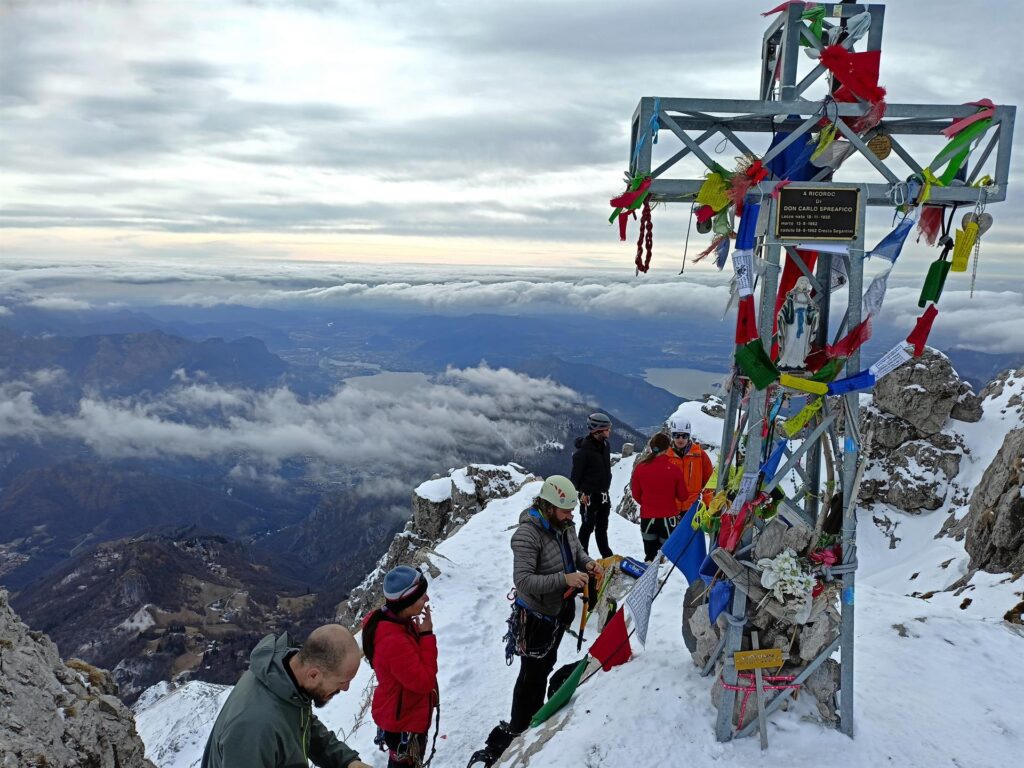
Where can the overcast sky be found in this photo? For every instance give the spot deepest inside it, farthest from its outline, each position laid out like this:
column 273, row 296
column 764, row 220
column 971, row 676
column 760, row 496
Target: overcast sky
column 440, row 132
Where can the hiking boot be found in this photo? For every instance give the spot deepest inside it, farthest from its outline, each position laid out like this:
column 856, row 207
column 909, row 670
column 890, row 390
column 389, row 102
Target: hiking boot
column 484, row 757
column 497, row 742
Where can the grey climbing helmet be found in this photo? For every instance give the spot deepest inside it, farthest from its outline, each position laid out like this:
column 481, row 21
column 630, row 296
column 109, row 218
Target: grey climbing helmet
column 596, row 421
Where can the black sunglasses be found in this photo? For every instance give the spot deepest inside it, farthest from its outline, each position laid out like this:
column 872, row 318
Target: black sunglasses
column 683, row 435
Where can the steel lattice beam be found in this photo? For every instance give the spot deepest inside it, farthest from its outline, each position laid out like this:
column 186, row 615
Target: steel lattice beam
column 782, row 108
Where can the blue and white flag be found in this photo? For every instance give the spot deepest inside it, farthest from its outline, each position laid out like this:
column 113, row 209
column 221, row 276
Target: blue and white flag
column 889, row 247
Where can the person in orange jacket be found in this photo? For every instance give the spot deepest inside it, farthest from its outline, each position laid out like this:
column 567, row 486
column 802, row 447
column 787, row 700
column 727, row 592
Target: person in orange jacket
column 659, row 487
column 399, row 643
column 692, row 459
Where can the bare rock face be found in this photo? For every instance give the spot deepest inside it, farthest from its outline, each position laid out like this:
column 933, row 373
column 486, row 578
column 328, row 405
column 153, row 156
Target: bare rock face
column 713, row 406
column 823, row 684
column 995, row 522
column 913, row 464
column 57, row 714
column 440, row 506
column 628, row 508
column 922, row 392
column 967, row 406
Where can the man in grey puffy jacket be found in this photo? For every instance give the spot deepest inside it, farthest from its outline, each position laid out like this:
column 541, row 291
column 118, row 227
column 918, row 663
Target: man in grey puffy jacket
column 549, row 567
column 268, row 720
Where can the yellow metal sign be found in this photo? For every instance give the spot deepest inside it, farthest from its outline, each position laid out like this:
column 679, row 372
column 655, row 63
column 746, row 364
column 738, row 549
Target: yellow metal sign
column 766, row 657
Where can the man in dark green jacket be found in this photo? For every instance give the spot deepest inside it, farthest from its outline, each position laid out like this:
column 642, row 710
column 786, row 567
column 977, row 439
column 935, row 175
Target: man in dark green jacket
column 268, row 721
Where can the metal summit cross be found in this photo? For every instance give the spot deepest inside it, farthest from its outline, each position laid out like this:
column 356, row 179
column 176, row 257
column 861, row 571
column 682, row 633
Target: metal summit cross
column 784, row 107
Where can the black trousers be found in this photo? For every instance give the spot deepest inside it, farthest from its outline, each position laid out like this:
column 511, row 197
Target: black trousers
column 532, row 683
column 655, row 532
column 394, row 740
column 594, row 519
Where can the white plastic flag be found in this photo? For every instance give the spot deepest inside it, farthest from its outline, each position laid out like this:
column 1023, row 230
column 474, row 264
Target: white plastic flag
column 640, row 599
column 891, row 360
column 875, row 294
column 743, row 266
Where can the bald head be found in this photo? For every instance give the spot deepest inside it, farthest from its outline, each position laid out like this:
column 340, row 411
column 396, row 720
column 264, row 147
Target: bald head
column 330, row 647
column 326, row 663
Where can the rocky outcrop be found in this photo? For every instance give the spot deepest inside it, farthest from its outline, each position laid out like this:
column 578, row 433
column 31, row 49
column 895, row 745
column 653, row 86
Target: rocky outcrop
column 714, row 406
column 913, row 462
column 439, row 508
column 57, row 714
column 995, row 522
column 923, row 392
column 967, row 406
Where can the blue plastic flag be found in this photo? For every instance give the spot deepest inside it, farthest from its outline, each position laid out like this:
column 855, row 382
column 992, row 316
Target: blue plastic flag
column 721, row 591
column 771, row 464
column 686, row 548
column 794, row 162
column 748, row 225
column 861, row 380
column 719, row 598
column 722, row 253
column 889, row 247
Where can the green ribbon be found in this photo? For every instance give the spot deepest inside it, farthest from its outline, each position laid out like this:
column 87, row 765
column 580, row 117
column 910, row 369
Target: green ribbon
column 633, row 186
column 956, row 151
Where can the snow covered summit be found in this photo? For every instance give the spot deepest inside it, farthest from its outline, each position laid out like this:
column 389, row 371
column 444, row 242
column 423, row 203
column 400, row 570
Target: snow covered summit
column 938, row 681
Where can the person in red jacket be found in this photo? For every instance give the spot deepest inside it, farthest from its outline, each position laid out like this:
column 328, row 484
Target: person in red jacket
column 659, row 487
column 692, row 459
column 399, row 643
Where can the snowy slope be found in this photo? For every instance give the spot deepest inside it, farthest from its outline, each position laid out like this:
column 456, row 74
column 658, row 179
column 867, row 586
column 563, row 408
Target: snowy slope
column 936, row 685
column 924, row 564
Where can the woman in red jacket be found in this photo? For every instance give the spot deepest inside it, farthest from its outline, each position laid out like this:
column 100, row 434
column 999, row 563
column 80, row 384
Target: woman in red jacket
column 658, row 486
column 399, row 643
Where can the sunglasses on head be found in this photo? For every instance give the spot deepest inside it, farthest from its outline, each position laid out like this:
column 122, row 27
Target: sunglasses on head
column 684, row 435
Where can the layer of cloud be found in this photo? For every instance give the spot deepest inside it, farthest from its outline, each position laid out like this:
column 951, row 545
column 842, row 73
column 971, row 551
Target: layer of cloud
column 463, row 415
column 992, row 320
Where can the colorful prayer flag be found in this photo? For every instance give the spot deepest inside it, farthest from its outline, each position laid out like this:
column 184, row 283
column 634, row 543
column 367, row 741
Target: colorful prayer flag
column 743, row 269
column 755, row 364
column 562, row 695
column 889, row 247
column 771, row 464
column 612, row 646
column 640, row 599
column 852, row 341
column 746, row 321
column 686, row 548
column 859, row 381
column 747, row 230
column 890, row 361
column 919, row 336
column 875, row 294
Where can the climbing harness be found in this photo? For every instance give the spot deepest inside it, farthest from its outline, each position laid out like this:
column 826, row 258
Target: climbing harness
column 515, row 639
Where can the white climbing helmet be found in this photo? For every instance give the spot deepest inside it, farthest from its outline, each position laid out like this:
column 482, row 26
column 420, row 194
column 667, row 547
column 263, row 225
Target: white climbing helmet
column 559, row 491
column 677, row 425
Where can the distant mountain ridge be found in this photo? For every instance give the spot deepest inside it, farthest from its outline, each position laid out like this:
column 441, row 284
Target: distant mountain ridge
column 631, row 398
column 122, row 364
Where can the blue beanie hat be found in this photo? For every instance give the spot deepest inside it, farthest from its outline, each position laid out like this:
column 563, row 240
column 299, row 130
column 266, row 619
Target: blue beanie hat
column 403, row 586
